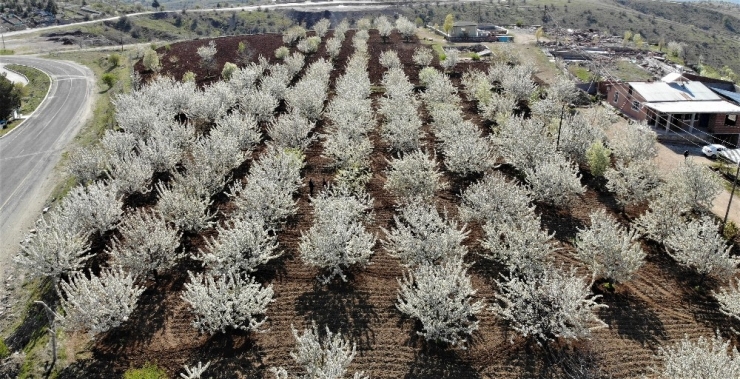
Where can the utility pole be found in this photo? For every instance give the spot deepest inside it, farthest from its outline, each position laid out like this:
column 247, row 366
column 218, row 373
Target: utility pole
column 562, row 114
column 732, row 193
column 3, row 36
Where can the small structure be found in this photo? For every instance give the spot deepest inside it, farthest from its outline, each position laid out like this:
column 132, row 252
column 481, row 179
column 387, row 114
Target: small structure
column 464, row 29
column 676, row 104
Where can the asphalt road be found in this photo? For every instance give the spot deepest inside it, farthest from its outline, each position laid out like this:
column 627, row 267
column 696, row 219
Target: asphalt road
column 29, row 153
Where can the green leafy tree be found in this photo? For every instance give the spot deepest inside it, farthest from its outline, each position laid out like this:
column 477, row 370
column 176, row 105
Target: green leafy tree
column 10, row 98
column 627, row 37
column 114, row 60
column 598, row 158
column 51, row 7
column 109, row 79
column 449, row 21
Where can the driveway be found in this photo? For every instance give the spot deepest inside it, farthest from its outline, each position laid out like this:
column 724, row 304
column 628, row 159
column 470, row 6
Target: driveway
column 29, row 153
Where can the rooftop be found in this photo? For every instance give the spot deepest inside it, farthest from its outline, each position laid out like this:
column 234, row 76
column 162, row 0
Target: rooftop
column 674, row 91
column 732, row 96
column 719, row 106
column 465, row 23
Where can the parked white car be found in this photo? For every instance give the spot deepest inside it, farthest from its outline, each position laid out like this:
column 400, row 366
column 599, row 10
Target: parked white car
column 720, row 151
column 713, row 150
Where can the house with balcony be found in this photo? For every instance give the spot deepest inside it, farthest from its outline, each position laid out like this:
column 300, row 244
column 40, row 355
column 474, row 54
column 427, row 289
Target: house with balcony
column 678, row 105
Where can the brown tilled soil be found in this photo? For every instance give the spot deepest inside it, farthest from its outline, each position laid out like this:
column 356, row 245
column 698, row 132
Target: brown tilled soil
column 662, row 304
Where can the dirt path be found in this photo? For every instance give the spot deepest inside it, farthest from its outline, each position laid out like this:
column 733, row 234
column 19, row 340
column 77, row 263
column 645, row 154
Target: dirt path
column 668, row 159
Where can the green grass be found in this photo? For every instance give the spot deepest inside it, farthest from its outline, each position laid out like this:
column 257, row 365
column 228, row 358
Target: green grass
column 6, row 52
column 580, row 72
column 630, row 72
column 4, row 351
column 149, row 371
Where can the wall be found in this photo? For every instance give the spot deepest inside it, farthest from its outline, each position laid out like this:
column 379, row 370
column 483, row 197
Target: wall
column 624, row 103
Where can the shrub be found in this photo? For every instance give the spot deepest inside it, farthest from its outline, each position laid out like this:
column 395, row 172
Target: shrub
column 730, row 230
column 4, row 351
column 597, row 157
column 149, row 371
column 282, row 52
column 151, row 60
column 228, row 70
column 114, row 60
column 189, row 77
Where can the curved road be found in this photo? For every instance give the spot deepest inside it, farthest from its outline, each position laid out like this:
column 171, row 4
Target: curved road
column 28, row 154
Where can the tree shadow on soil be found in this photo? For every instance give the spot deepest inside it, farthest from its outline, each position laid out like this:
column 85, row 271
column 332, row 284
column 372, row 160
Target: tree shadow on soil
column 559, row 360
column 89, row 368
column 230, row 354
column 560, row 221
column 35, row 322
column 343, row 309
column 437, row 363
column 632, row 318
column 144, row 322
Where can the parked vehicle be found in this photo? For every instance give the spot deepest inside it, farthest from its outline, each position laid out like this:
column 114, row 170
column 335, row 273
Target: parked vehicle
column 713, row 150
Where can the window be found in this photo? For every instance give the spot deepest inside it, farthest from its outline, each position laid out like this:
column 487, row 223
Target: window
column 731, row 120
column 630, row 90
column 616, row 97
column 635, row 105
